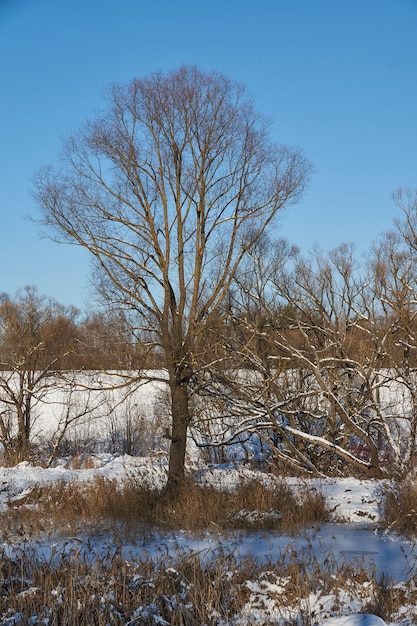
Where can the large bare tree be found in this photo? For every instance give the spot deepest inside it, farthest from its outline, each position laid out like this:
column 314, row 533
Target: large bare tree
column 168, row 189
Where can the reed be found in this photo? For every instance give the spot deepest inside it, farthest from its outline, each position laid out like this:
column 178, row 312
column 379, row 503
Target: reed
column 251, row 505
column 73, row 585
column 399, row 506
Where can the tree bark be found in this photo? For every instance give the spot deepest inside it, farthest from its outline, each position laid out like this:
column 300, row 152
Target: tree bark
column 180, row 423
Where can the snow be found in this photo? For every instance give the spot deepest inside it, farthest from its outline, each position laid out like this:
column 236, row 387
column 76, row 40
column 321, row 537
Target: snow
column 355, row 620
column 16, row 482
column 352, row 534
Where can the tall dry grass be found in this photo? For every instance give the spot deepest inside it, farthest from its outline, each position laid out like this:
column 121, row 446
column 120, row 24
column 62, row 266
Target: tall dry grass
column 74, row 583
column 77, row 587
column 195, row 508
column 399, row 506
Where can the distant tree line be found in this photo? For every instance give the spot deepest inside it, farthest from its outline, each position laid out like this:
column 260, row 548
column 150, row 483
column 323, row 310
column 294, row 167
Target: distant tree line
column 43, row 346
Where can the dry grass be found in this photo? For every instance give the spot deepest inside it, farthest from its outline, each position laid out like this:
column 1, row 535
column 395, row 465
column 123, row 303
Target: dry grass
column 72, row 584
column 76, row 587
column 250, row 506
column 399, row 507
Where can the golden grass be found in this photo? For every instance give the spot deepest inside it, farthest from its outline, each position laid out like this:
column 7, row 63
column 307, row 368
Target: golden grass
column 182, row 588
column 74, row 586
column 194, row 508
column 399, row 506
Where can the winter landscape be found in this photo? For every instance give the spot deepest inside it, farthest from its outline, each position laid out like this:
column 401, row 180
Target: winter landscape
column 208, row 313
column 346, row 569
column 227, row 434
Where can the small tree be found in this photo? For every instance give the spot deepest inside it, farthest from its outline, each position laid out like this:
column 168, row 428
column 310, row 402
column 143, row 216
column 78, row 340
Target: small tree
column 36, row 338
column 168, row 190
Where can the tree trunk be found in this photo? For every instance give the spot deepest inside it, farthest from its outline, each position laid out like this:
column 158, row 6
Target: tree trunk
column 180, row 422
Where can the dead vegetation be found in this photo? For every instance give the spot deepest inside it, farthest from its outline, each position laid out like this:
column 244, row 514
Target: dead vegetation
column 399, row 506
column 67, row 579
column 251, row 505
column 72, row 585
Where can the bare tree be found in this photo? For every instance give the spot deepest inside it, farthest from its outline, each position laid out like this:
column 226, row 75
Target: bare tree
column 106, row 343
column 73, row 403
column 168, row 190
column 36, row 337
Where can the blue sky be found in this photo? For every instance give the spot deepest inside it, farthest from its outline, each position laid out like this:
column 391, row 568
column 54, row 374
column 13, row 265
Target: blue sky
column 337, row 77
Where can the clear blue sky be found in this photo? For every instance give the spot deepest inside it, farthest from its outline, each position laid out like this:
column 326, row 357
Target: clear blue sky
column 338, row 77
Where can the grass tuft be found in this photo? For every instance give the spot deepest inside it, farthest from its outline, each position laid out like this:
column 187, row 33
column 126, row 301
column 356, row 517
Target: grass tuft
column 399, row 506
column 85, row 579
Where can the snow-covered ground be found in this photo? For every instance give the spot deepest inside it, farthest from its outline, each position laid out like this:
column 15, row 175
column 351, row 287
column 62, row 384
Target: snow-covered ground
column 352, row 535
